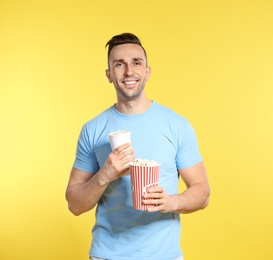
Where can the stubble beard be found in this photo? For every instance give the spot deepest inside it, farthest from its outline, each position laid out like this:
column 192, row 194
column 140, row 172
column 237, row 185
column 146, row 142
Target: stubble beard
column 130, row 96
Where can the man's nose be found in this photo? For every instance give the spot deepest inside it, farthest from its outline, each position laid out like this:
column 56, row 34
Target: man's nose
column 128, row 70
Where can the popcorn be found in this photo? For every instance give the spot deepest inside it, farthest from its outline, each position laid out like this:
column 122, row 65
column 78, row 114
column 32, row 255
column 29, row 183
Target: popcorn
column 144, row 162
column 144, row 174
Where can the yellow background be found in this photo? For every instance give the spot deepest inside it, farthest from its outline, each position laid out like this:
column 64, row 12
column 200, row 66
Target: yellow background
column 212, row 62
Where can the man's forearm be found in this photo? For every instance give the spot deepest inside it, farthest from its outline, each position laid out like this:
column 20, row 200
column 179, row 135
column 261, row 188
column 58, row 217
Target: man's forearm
column 194, row 198
column 83, row 197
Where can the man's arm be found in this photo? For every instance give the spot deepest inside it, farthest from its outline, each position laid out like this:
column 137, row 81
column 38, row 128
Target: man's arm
column 194, row 198
column 84, row 189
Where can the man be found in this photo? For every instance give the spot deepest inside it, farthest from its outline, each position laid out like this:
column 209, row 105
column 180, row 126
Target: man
column 99, row 175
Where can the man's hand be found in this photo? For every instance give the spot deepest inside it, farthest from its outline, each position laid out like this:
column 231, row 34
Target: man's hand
column 195, row 197
column 117, row 163
column 158, row 200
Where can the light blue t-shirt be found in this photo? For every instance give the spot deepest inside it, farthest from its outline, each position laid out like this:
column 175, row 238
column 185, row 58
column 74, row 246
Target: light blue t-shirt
column 120, row 231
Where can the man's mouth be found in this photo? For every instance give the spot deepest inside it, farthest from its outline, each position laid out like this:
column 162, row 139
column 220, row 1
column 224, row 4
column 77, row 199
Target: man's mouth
column 129, row 82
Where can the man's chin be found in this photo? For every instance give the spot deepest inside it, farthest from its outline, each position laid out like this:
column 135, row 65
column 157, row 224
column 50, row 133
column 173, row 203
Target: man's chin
column 130, row 96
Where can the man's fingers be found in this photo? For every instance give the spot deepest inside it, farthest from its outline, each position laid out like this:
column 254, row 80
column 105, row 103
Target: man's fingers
column 122, row 147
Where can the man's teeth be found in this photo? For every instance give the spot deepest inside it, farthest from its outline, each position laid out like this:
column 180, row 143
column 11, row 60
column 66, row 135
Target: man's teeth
column 130, row 82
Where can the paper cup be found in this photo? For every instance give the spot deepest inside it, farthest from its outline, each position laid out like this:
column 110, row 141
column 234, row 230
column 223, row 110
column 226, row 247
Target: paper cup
column 118, row 138
column 142, row 178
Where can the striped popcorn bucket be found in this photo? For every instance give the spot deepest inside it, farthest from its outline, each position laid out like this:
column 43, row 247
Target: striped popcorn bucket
column 142, row 178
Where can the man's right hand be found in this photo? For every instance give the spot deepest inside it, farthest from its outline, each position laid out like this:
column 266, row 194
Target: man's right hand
column 117, row 163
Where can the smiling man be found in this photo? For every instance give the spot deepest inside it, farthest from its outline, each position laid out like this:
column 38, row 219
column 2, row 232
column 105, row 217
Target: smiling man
column 98, row 176
column 129, row 73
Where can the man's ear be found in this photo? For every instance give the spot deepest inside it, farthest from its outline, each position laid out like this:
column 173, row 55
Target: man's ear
column 149, row 70
column 107, row 73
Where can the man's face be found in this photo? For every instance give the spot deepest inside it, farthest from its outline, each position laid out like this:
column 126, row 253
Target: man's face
column 128, row 71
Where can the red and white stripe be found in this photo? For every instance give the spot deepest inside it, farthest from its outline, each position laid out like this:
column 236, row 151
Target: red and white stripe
column 142, row 178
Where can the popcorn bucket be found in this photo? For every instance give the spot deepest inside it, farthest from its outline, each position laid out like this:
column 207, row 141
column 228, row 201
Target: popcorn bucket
column 142, row 178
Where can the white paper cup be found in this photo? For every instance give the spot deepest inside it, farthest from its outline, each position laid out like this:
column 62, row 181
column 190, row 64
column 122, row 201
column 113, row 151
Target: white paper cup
column 142, row 178
column 119, row 137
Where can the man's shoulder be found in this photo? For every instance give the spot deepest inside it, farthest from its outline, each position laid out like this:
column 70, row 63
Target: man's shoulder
column 168, row 112
column 98, row 119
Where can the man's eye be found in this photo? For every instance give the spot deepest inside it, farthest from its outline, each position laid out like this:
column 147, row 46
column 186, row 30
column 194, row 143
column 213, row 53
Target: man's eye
column 137, row 63
column 119, row 65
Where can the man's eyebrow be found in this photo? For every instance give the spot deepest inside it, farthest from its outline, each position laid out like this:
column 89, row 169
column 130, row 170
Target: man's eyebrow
column 118, row 60
column 133, row 59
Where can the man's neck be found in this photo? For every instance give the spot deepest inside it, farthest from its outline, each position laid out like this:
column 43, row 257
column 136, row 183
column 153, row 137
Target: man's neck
column 133, row 107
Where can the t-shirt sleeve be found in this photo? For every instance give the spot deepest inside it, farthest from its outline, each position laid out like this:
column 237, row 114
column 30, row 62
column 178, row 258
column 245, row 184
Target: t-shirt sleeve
column 85, row 158
column 188, row 152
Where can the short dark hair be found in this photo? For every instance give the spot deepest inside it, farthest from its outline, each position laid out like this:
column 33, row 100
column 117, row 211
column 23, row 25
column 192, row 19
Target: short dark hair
column 123, row 39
